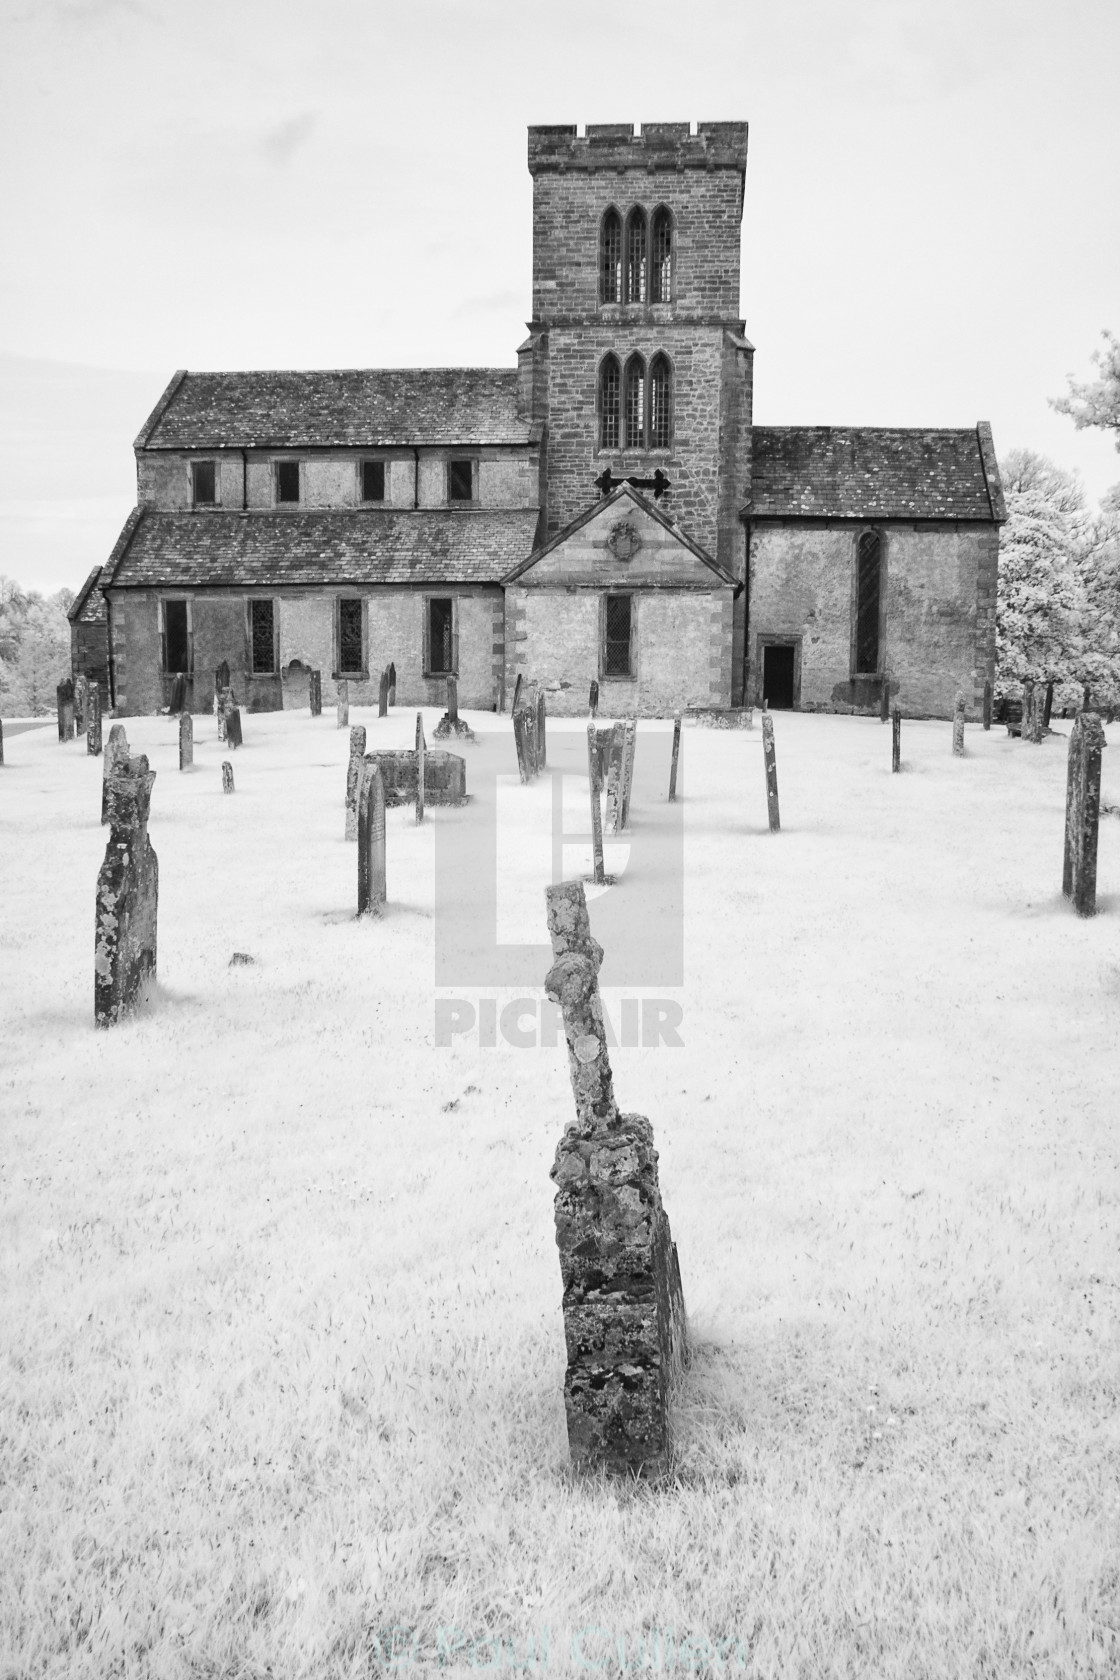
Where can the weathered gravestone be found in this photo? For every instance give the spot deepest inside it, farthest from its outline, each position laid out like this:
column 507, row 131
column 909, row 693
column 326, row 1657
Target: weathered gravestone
column 343, row 704
column 770, row 760
column 594, row 777
column 987, row 712
column 81, row 703
column 354, row 779
column 525, row 740
column 116, row 754
column 392, row 683
column 516, row 694
column 227, row 776
column 64, row 695
column 371, row 841
column 221, row 682
column 124, row 961
column 896, row 740
column 383, row 695
column 315, row 693
column 676, row 755
column 1083, row 809
column 958, row 726
column 233, row 727
column 421, row 778
column 186, row 741
column 445, row 776
column 226, row 704
column 616, row 773
column 1031, row 728
column 624, row 1314
column 93, row 723
column 451, row 723
column 542, row 737
column 630, row 729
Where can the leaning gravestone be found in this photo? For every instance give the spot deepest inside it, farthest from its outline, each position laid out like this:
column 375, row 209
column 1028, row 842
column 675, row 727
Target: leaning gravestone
column 344, row 704
column 676, row 754
column 186, row 741
column 93, row 723
column 624, row 1315
column 124, row 961
column 1083, row 809
column 227, row 776
column 770, row 760
column 233, row 727
column 958, row 726
column 516, row 694
column 354, row 779
column 542, row 738
column 65, row 698
column 315, row 693
column 371, row 841
column 116, row 754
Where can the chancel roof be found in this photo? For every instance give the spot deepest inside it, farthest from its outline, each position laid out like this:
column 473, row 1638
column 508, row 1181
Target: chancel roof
column 872, row 472
column 359, row 408
column 272, row 550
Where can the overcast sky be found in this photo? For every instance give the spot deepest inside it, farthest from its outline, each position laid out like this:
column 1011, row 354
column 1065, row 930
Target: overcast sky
column 931, row 233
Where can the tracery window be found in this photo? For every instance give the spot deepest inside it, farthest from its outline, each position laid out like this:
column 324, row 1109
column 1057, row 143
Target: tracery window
column 661, row 268
column 610, row 409
column 660, row 402
column 610, row 266
column 636, row 256
column 635, row 403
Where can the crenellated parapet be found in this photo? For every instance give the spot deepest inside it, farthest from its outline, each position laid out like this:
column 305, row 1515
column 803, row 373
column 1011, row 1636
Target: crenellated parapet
column 659, row 146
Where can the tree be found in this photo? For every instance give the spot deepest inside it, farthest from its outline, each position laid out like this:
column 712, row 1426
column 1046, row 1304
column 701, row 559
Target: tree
column 1040, row 607
column 34, row 648
column 1097, row 402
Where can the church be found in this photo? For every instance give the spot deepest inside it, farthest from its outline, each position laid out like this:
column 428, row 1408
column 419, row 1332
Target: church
column 604, row 512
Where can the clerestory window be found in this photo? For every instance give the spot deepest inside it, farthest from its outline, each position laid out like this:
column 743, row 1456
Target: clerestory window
column 204, row 483
column 636, row 256
column 373, row 481
column 661, row 260
column 287, row 481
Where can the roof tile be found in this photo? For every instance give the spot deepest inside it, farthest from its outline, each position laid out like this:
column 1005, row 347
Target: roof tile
column 864, row 472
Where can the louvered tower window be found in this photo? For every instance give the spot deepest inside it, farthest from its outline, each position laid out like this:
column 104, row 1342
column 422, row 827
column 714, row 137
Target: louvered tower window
column 610, row 267
column 636, row 257
column 661, row 265
column 610, row 404
column 660, row 403
column 635, row 403
column 868, row 584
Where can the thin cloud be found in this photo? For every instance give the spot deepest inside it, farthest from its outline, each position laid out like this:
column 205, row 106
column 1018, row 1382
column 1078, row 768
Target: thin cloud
column 279, row 145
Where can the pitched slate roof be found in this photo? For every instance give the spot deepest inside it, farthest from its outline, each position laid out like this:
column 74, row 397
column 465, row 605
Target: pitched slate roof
column 88, row 605
column 866, row 472
column 349, row 407
column 277, row 550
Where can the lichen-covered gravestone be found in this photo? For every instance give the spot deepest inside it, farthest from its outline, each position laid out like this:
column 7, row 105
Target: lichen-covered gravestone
column 371, row 841
column 958, row 726
column 896, row 740
column 65, row 699
column 624, row 1315
column 676, row 754
column 595, row 780
column 124, row 960
column 116, row 753
column 227, row 776
column 354, row 779
column 1083, row 809
column 186, row 741
column 315, row 693
column 616, row 776
column 93, row 723
column 770, row 761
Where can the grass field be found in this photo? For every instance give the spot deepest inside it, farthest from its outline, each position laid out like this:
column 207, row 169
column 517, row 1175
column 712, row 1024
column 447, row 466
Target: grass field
column 282, row 1353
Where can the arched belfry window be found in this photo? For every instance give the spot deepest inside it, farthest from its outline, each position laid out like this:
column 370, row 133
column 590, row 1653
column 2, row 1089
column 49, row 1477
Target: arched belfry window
column 637, row 259
column 610, row 407
column 660, row 403
column 635, row 403
column 661, row 258
column 610, row 263
column 869, row 572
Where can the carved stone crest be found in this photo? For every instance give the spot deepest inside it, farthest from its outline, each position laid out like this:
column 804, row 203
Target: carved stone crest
column 624, row 540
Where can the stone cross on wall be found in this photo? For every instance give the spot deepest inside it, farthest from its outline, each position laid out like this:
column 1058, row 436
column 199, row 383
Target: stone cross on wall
column 124, row 962
column 624, row 1316
column 1083, row 809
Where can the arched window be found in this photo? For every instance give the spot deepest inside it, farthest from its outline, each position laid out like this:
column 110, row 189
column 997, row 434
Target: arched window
column 660, row 403
column 661, row 260
column 610, row 265
column 636, row 257
column 869, row 555
column 635, row 403
column 609, row 404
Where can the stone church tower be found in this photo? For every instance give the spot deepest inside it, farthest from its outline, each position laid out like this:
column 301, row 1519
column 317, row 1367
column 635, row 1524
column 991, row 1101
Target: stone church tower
column 636, row 361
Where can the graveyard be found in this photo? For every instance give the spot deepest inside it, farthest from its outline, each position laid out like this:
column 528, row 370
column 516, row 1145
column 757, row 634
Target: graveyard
column 284, row 1364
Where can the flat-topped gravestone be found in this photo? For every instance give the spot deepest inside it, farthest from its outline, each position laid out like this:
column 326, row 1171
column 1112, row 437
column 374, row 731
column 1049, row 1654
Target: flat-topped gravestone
column 315, row 693
column 770, row 761
column 124, row 962
column 65, row 699
column 93, row 723
column 624, row 1316
column 116, row 754
column 354, row 779
column 186, row 741
column 227, row 776
column 1083, row 809
column 371, row 841
column 343, row 705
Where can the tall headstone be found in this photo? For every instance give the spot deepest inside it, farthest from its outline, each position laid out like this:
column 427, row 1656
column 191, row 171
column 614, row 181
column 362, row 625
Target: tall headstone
column 116, row 754
column 315, row 693
column 227, row 776
column 221, row 683
column 124, row 961
column 631, row 729
column 542, row 735
column 233, row 727
column 624, row 1316
column 392, row 683
column 595, row 780
column 452, row 699
column 516, row 694
column 383, row 695
column 1083, row 809
column 896, row 740
column 676, row 755
column 421, row 753
column 81, row 696
column 65, row 699
column 987, row 713
column 93, row 723
column 593, row 700
column 770, row 760
column 343, row 704
column 616, row 774
column 371, row 841
column 186, row 741
column 958, row 726
column 354, row 779
column 523, row 740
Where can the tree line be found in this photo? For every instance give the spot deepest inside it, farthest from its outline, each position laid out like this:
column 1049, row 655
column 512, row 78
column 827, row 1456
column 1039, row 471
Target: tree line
column 34, row 648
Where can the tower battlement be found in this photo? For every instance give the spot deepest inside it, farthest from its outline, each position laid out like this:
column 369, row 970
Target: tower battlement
column 668, row 146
